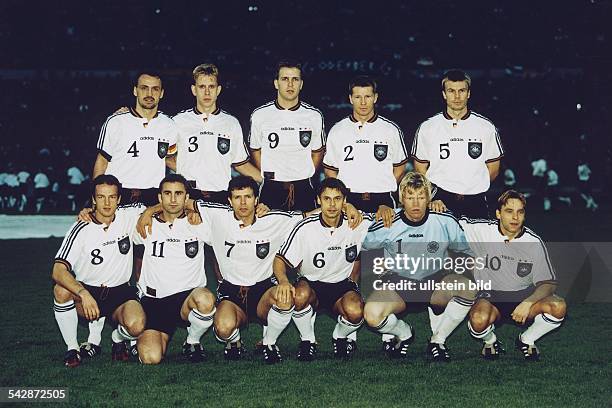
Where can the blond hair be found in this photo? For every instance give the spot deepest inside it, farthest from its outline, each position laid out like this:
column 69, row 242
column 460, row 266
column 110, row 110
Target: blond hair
column 205, row 69
column 414, row 181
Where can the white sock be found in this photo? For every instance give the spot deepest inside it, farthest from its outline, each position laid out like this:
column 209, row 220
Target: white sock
column 313, row 319
column 264, row 330
column 353, row 335
column 344, row 328
column 121, row 334
column 304, row 323
column 487, row 335
column 387, row 337
column 95, row 331
column 394, row 326
column 434, row 319
column 234, row 337
column 453, row 315
column 277, row 321
column 199, row 323
column 67, row 320
column 542, row 324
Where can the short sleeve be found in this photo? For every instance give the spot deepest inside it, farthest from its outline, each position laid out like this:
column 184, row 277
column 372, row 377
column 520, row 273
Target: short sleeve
column 495, row 150
column 240, row 154
column 107, row 140
column 330, row 160
column 70, row 250
column 398, row 147
column 318, row 139
column 173, row 137
column 543, row 272
column 377, row 236
column 419, row 147
column 254, row 133
column 292, row 250
column 457, row 240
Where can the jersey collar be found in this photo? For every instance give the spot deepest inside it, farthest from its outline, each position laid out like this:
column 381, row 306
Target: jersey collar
column 293, row 108
column 137, row 115
column 464, row 117
column 371, row 120
column 520, row 234
column 326, row 225
column 197, row 111
column 240, row 221
column 158, row 217
column 97, row 221
column 413, row 223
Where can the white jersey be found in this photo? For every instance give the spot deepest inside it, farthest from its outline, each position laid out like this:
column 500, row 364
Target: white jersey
column 512, row 265
column 324, row 253
column 100, row 255
column 364, row 154
column 245, row 254
column 173, row 258
column 286, row 138
column 457, row 151
column 208, row 147
column 136, row 149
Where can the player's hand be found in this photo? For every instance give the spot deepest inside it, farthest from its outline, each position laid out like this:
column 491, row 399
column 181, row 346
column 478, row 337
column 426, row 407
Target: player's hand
column 284, row 293
column 123, row 109
column 437, row 206
column 386, row 214
column 261, row 209
column 521, row 312
column 194, row 218
column 90, row 306
column 145, row 223
column 85, row 215
column 353, row 214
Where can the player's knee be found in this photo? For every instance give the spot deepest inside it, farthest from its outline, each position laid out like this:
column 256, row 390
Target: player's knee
column 353, row 311
column 135, row 324
column 149, row 356
column 479, row 320
column 61, row 295
column 204, row 301
column 301, row 297
column 372, row 314
column 557, row 307
column 225, row 327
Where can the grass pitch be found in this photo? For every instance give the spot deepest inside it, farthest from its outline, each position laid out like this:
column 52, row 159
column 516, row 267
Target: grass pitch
column 575, row 369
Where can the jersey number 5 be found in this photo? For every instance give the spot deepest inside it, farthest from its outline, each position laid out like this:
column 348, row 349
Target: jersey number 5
column 444, row 151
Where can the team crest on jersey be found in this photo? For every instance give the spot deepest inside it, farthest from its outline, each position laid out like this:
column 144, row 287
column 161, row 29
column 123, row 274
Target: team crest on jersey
column 262, row 250
column 162, row 149
column 223, row 145
column 191, row 249
column 124, row 245
column 351, row 253
column 305, row 136
column 380, row 151
column 474, row 149
column 432, row 247
column 523, row 269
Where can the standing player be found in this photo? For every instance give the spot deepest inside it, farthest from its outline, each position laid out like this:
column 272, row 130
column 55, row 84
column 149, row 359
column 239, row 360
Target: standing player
column 431, row 238
column 287, row 139
column 366, row 151
column 522, row 279
column 92, row 269
column 325, row 248
column 173, row 281
column 459, row 150
column 245, row 248
column 134, row 145
column 210, row 141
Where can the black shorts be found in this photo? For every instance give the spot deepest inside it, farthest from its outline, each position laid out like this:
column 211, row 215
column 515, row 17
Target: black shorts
column 219, row 197
column 369, row 202
column 329, row 293
column 471, row 206
column 288, row 195
column 164, row 314
column 146, row 196
column 415, row 292
column 505, row 301
column 245, row 297
column 109, row 299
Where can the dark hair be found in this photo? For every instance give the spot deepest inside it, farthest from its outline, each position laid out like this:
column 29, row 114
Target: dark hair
column 240, row 182
column 362, row 81
column 287, row 63
column 174, row 178
column 509, row 194
column 107, row 179
column 456, row 75
column 334, row 184
column 151, row 73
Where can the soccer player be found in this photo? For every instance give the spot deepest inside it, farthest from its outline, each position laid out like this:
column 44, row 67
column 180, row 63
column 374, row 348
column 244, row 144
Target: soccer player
column 210, row 141
column 173, row 281
column 459, row 150
column 245, row 248
column 522, row 279
column 366, row 151
column 92, row 269
column 134, row 145
column 429, row 238
column 287, row 138
column 325, row 248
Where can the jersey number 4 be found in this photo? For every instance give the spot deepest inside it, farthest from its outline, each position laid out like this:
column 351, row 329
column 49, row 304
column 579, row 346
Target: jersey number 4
column 133, row 150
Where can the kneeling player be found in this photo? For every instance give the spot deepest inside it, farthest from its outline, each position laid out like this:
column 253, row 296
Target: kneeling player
column 325, row 248
column 245, row 248
column 173, row 281
column 99, row 254
column 417, row 233
column 521, row 276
